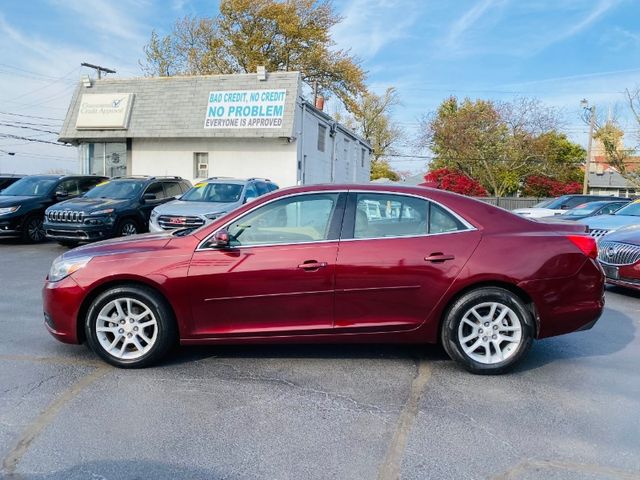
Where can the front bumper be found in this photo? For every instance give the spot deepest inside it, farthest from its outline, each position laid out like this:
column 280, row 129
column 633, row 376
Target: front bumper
column 61, row 304
column 10, row 227
column 79, row 232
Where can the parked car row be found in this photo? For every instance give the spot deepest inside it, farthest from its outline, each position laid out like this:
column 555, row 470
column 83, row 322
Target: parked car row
column 77, row 209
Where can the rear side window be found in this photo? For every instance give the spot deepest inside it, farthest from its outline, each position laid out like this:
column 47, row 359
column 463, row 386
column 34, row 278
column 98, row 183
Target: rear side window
column 442, row 221
column 261, row 187
column 70, row 186
column 383, row 215
column 272, row 187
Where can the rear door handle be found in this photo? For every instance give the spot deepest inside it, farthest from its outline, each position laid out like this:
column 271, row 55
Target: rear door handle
column 312, row 265
column 439, row 257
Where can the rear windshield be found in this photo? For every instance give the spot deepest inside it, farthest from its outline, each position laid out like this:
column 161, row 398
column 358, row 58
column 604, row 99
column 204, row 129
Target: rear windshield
column 118, row 189
column 214, row 192
column 30, row 187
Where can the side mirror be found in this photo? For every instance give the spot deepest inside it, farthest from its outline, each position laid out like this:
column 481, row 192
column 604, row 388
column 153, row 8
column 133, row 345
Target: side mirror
column 149, row 196
column 221, row 239
column 564, row 207
column 62, row 194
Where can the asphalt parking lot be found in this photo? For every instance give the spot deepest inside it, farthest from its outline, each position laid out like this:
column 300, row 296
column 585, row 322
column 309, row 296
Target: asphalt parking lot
column 572, row 409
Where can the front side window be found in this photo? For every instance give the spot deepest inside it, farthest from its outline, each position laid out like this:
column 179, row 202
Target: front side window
column 173, row 189
column 156, row 189
column 300, row 219
column 69, row 186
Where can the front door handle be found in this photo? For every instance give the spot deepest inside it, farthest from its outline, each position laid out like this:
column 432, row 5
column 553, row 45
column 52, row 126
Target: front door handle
column 310, row 265
column 438, row 257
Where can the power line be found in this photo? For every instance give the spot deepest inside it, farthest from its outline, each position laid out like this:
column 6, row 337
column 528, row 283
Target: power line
column 28, row 128
column 18, row 137
column 31, row 116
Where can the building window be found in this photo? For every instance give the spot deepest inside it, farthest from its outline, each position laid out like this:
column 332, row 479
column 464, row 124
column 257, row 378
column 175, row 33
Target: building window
column 201, row 165
column 362, row 155
column 109, row 159
column 322, row 133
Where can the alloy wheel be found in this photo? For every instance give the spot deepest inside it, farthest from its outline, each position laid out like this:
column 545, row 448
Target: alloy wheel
column 128, row 229
column 126, row 328
column 35, row 230
column 490, row 333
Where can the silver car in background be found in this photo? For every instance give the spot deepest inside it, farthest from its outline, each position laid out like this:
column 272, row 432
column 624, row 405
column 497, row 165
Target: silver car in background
column 206, row 201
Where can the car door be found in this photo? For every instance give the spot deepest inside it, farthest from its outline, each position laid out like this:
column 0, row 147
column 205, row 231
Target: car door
column 277, row 276
column 398, row 255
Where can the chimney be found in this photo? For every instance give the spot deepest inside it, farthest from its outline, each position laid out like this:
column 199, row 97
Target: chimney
column 262, row 73
column 320, row 102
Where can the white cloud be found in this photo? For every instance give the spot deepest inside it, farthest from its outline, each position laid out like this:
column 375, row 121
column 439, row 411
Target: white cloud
column 470, row 18
column 368, row 26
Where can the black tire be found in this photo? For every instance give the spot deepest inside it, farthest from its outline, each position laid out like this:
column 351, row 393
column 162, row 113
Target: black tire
column 33, row 229
column 126, row 227
column 68, row 243
column 482, row 298
column 166, row 326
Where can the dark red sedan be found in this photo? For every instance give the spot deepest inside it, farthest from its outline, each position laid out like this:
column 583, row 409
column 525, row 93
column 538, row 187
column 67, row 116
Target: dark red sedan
column 333, row 263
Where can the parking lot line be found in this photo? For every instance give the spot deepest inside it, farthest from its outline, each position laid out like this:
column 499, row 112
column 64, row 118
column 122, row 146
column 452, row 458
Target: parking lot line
column 390, row 468
column 46, row 417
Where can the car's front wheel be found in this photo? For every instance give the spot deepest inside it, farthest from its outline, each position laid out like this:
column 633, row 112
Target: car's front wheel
column 487, row 330
column 127, row 227
column 130, row 326
column 33, row 229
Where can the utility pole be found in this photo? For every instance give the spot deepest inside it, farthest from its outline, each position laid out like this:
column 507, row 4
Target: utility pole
column 98, row 69
column 592, row 121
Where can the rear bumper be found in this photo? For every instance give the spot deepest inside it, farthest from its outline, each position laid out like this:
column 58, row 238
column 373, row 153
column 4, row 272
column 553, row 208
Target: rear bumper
column 565, row 305
column 61, row 304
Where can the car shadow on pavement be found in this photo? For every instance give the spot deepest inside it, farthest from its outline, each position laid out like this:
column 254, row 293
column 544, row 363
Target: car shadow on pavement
column 185, row 355
column 611, row 334
column 627, row 292
column 125, row 468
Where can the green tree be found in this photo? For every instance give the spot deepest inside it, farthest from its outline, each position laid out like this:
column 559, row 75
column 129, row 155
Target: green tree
column 498, row 144
column 281, row 35
column 381, row 169
column 611, row 135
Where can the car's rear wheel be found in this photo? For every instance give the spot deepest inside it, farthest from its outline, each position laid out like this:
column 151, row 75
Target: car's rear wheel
column 33, row 229
column 130, row 326
column 487, row 330
column 127, row 227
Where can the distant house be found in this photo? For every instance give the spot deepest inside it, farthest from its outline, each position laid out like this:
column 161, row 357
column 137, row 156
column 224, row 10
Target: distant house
column 606, row 180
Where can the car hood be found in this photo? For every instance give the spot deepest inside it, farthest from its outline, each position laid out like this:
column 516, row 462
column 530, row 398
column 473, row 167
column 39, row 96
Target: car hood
column 537, row 212
column 137, row 243
column 180, row 207
column 11, row 201
column 89, row 205
column 625, row 235
column 610, row 222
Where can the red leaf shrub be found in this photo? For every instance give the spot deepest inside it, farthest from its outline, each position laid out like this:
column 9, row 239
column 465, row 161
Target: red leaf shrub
column 540, row 186
column 454, row 181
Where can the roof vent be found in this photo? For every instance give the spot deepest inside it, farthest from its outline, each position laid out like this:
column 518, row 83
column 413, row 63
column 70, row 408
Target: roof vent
column 262, row 73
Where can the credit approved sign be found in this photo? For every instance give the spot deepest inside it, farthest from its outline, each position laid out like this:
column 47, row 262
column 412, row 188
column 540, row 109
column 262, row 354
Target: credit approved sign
column 245, row 109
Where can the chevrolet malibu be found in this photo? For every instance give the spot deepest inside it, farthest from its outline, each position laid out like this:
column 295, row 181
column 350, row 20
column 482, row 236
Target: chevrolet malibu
column 334, row 263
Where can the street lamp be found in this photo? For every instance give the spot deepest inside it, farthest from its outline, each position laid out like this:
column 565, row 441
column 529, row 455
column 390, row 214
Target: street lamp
column 584, row 103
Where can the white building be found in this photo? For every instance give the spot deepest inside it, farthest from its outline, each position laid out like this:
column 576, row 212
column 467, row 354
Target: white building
column 249, row 125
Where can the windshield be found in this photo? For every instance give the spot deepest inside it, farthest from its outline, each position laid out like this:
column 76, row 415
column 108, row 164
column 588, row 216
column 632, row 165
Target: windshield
column 544, row 203
column 30, row 187
column 584, row 209
column 117, row 189
column 633, row 209
column 214, row 192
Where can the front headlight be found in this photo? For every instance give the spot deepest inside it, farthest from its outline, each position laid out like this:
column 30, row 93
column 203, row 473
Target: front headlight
column 63, row 267
column 8, row 210
column 213, row 216
column 106, row 211
column 154, row 213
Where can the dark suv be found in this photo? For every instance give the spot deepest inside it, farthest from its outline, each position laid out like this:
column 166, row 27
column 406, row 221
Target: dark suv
column 118, row 207
column 23, row 203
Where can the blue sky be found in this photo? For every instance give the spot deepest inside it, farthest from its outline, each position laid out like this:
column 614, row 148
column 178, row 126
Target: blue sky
column 558, row 51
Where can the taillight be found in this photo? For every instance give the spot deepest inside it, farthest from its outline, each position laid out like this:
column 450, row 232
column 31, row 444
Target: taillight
column 586, row 244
